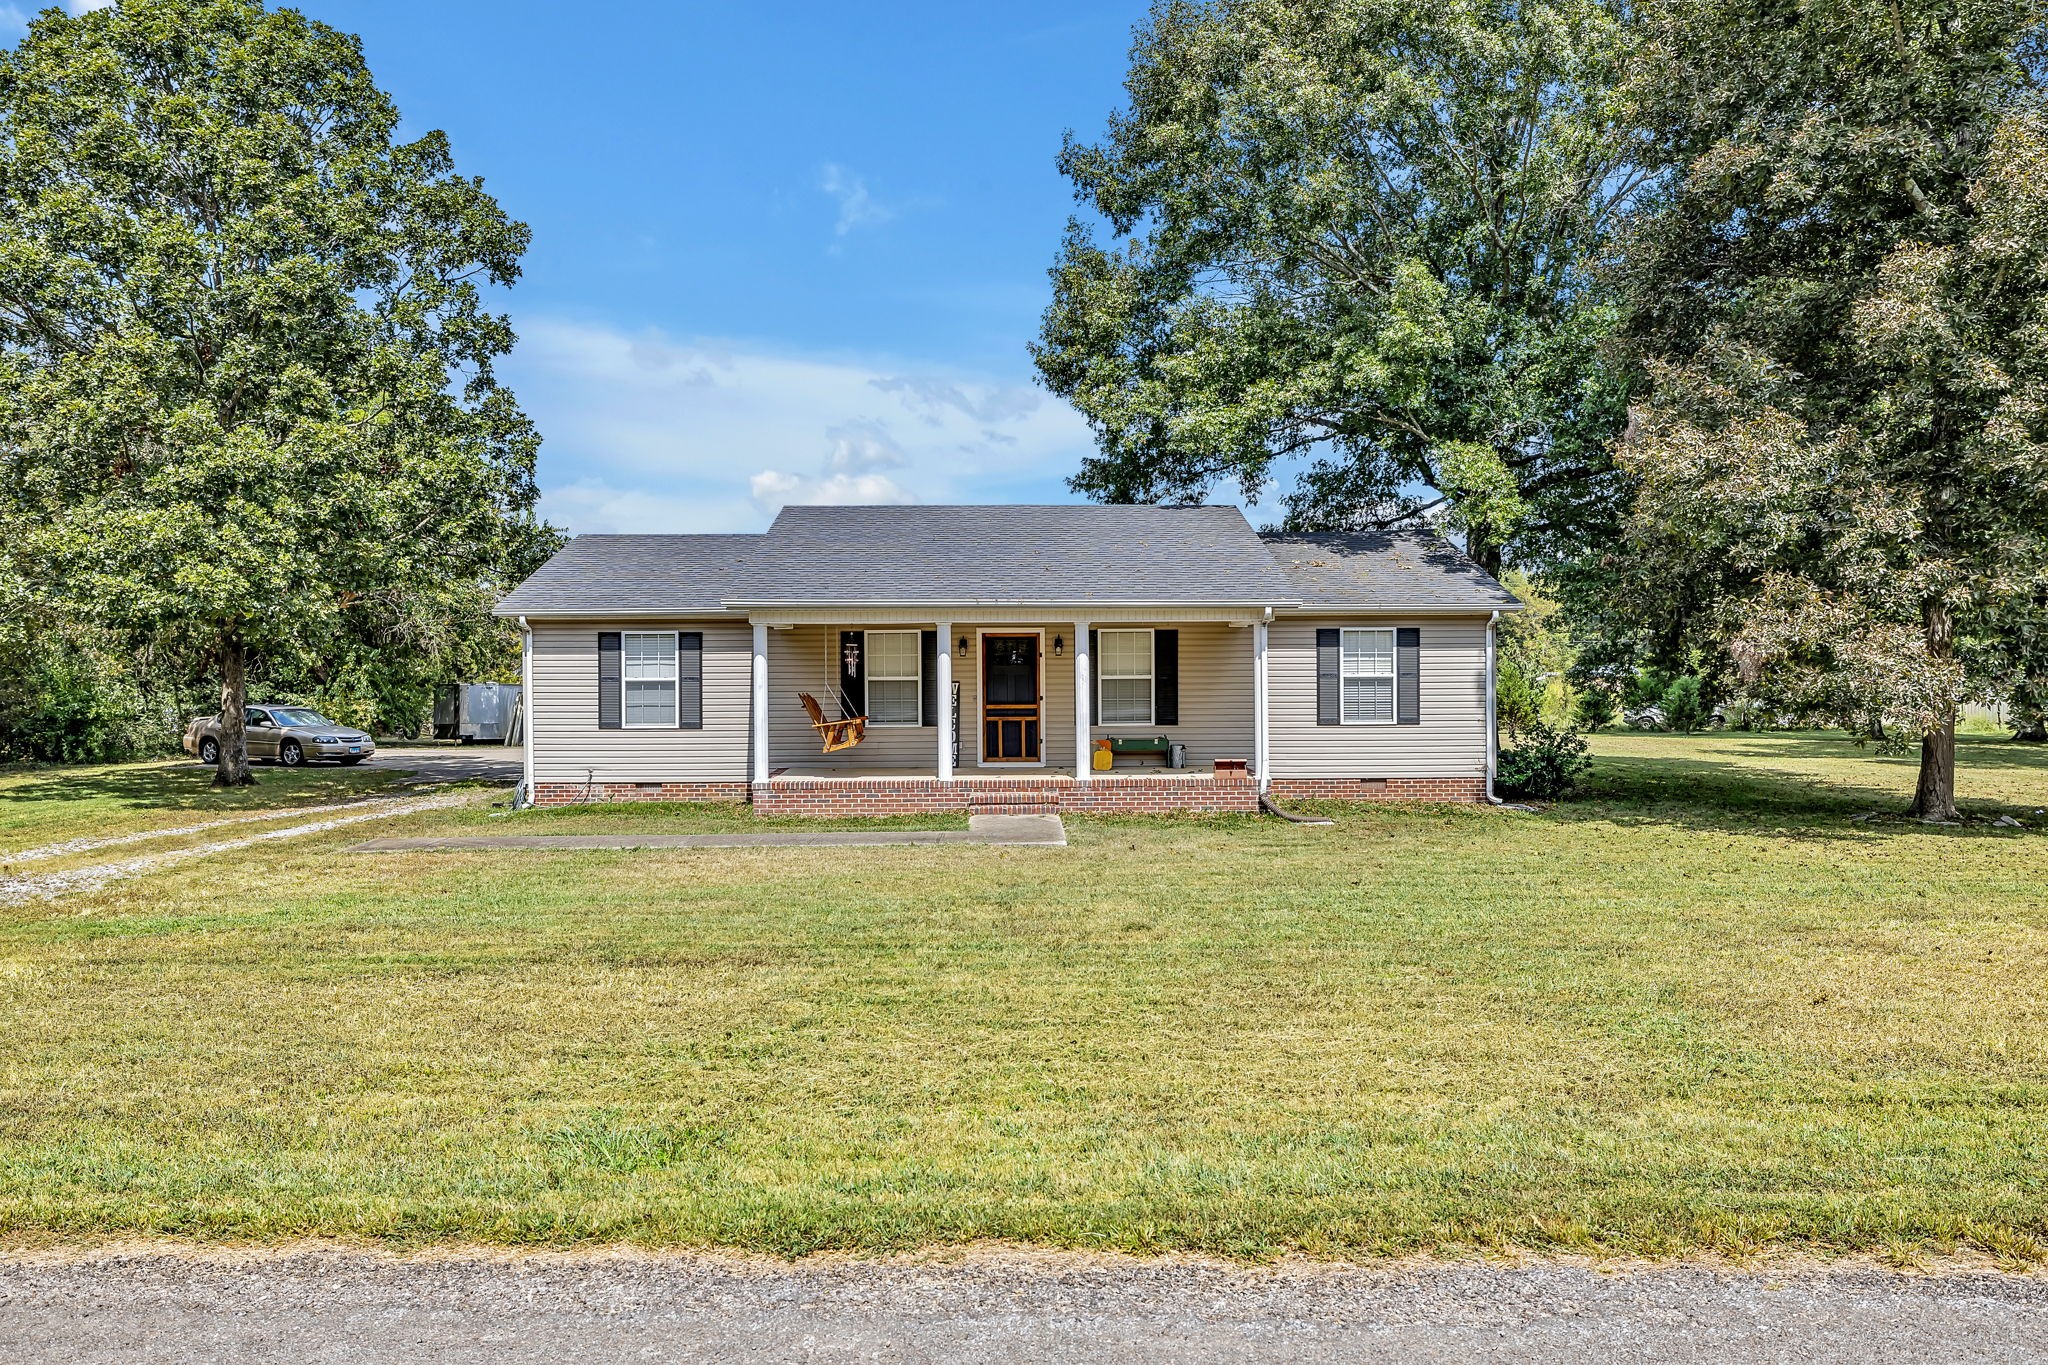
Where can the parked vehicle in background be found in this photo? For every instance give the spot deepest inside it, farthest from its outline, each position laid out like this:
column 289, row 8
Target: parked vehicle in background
column 290, row 735
column 477, row 713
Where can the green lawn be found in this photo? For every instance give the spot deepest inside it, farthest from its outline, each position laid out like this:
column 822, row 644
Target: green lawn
column 42, row 804
column 1701, row 1008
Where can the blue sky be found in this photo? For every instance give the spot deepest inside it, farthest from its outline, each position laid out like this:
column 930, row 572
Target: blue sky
column 781, row 252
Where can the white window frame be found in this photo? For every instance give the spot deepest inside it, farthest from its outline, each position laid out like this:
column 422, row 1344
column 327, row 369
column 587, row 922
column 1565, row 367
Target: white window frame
column 1344, row 674
column 868, row 678
column 675, row 680
column 1151, row 679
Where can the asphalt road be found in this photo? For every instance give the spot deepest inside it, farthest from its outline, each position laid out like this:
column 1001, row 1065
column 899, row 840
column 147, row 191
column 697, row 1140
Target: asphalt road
column 453, row 763
column 321, row 1307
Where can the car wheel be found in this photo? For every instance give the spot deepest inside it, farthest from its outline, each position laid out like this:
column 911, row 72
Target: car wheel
column 209, row 751
column 290, row 754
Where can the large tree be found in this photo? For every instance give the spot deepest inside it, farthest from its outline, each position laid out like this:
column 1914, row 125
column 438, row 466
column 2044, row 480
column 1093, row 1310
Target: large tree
column 1843, row 303
column 246, row 388
column 1356, row 233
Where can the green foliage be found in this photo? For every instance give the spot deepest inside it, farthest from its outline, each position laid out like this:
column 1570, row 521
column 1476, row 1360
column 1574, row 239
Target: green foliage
column 1843, row 305
column 248, row 402
column 1683, row 709
column 68, row 696
column 1545, row 763
column 1357, row 233
column 1593, row 709
column 1517, row 704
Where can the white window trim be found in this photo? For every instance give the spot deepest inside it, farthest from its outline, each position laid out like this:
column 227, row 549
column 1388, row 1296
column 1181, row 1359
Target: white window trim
column 675, row 681
column 1392, row 675
column 868, row 679
column 1100, row 653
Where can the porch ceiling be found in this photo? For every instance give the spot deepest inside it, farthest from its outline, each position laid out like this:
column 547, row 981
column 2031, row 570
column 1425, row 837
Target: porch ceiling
column 968, row 613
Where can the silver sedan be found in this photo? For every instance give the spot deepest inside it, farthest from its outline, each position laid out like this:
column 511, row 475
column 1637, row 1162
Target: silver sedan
column 292, row 735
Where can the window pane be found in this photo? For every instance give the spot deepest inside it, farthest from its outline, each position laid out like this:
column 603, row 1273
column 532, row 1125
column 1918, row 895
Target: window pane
column 892, row 653
column 1368, row 653
column 650, row 656
column 650, row 703
column 1126, row 654
column 1126, row 701
column 1368, row 699
column 894, row 701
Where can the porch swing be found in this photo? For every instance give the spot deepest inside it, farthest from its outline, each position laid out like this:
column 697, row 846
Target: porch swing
column 839, row 734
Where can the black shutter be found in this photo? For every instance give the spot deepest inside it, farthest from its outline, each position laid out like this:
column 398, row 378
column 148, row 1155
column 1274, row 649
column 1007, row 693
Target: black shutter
column 1408, row 676
column 1166, row 677
column 853, row 673
column 1094, row 677
column 610, row 714
column 928, row 669
column 690, row 680
column 1329, row 687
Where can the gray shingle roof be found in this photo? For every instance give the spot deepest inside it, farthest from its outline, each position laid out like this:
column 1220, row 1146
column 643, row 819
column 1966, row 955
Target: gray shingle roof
column 1082, row 553
column 1404, row 568
column 643, row 575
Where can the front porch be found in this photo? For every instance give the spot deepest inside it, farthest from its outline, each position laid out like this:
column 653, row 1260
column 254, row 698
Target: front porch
column 1007, row 708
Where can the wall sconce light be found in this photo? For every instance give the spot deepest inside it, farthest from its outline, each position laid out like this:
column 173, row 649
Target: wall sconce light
column 1059, row 646
column 963, row 646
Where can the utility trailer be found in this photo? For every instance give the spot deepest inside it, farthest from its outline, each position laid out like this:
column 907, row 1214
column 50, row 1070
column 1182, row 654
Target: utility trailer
column 478, row 713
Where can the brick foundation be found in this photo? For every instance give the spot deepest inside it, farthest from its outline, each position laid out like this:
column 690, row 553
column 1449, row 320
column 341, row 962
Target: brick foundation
column 1104, row 795
column 577, row 793
column 1465, row 789
column 1002, row 796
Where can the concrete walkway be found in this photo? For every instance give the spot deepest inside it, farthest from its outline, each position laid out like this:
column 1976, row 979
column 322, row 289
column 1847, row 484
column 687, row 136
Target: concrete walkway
column 1028, row 831
column 354, row 1308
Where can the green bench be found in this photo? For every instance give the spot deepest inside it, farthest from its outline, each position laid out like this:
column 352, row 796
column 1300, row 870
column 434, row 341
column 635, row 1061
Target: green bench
column 1162, row 745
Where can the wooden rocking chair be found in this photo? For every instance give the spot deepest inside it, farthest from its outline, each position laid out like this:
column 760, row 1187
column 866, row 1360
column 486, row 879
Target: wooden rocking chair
column 839, row 734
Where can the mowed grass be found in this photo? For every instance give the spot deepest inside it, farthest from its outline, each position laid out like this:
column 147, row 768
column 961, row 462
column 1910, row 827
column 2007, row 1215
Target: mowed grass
column 1701, row 1009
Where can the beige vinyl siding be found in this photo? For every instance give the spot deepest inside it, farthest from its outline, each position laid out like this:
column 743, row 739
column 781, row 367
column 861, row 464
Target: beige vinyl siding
column 568, row 746
column 1215, row 697
column 806, row 659
column 1450, row 741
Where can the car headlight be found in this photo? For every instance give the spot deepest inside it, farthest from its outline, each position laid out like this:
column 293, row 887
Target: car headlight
column 326, row 739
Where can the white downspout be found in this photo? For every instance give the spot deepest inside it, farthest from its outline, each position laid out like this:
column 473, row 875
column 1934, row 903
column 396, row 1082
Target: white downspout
column 525, row 794
column 1492, row 713
column 1262, row 704
column 760, row 745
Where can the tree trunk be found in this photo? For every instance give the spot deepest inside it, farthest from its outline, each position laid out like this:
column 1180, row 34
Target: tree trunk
column 1934, row 798
column 1482, row 550
column 231, row 769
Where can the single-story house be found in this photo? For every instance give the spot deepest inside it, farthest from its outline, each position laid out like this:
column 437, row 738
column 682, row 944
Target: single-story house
column 991, row 657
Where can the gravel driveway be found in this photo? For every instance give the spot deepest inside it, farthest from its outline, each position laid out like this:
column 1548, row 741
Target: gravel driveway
column 318, row 1307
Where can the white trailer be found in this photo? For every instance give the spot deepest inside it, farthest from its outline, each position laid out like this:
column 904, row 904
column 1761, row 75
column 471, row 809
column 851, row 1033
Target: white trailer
column 478, row 713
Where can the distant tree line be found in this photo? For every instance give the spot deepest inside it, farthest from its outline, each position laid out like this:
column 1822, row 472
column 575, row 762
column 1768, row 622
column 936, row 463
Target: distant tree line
column 1726, row 321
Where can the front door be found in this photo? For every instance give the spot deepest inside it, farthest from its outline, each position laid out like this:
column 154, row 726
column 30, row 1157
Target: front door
column 1009, row 699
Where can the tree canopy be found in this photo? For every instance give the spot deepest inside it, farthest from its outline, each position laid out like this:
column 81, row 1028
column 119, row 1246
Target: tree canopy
column 247, row 395
column 1842, row 304
column 1357, row 234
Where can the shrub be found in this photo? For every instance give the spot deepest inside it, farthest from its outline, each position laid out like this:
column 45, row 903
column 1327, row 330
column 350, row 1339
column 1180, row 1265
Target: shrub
column 1545, row 763
column 1593, row 709
column 1516, row 703
column 1682, row 707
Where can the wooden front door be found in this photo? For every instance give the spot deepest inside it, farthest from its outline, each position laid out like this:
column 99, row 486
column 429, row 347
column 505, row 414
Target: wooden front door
column 1010, row 720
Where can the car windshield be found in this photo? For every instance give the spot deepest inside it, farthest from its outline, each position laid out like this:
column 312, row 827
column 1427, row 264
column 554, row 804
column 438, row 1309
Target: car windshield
column 298, row 715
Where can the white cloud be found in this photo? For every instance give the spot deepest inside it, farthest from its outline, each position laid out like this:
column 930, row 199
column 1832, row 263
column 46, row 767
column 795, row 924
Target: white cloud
column 774, row 490
column 857, row 207
column 87, row 6
column 645, row 432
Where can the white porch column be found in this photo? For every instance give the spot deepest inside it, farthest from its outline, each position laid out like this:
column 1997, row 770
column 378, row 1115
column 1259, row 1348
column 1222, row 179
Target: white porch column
column 1084, row 696
column 760, row 702
column 945, row 717
column 1262, row 733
